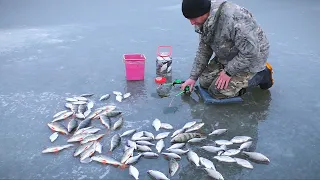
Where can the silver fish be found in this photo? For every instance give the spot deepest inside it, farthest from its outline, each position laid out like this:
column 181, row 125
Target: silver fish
column 148, row 134
column 117, row 93
column 162, row 135
column 207, row 163
column 79, row 98
column 105, row 121
column 105, row 160
column 171, row 155
column 137, row 135
column 256, row 156
column 218, row 132
column 245, row 145
column 126, row 95
column 119, row 98
column 71, row 99
column 189, row 124
column 132, row 144
column 143, row 148
column 128, row 132
column 178, row 151
column 224, row 158
column 125, row 148
column 150, row 155
column 178, row 131
column 84, row 123
column 82, row 108
column 195, row 127
column 80, row 116
column 223, row 142
column 86, row 95
column 173, row 166
column 73, row 124
column 107, row 108
column 193, row 157
column 184, row 137
column 98, row 147
column 169, row 69
column 115, row 142
column 164, row 67
column 244, row 163
column 160, row 145
column 166, row 126
column 54, row 136
column 68, row 105
column 118, row 123
column 82, row 147
column 231, row 152
column 142, row 139
column 112, row 113
column 86, row 113
column 147, row 143
column 134, row 172
column 78, row 137
column 82, row 130
column 127, row 154
column 196, row 140
column 95, row 113
column 157, row 174
column 79, row 102
column 240, row 139
column 133, row 159
column 56, row 148
column 104, row 97
column 91, row 130
column 156, row 124
column 214, row 174
column 58, row 127
column 74, row 108
column 92, row 137
column 62, row 116
column 214, row 149
column 90, row 105
column 59, row 113
column 176, row 146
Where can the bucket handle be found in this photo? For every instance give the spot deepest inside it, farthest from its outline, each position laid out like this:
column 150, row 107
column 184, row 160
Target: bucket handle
column 168, row 55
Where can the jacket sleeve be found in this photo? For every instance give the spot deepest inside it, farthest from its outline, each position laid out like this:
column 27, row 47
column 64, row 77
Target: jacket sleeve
column 246, row 41
column 201, row 60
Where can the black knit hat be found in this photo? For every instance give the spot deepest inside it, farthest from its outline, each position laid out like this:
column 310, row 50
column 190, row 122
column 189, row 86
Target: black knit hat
column 195, row 8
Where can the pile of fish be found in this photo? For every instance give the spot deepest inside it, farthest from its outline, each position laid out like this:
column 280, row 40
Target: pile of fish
column 144, row 144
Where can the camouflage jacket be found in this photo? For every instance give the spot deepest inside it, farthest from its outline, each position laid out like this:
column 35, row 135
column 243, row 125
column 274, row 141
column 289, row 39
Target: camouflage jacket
column 238, row 43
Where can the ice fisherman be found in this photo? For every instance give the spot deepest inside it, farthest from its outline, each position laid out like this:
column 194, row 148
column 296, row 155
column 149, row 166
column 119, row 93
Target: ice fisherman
column 239, row 45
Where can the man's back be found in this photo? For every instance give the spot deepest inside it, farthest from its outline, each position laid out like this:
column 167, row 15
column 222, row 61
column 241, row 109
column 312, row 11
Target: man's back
column 238, row 41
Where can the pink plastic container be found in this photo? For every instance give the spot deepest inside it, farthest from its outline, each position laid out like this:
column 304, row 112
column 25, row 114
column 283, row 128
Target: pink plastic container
column 135, row 65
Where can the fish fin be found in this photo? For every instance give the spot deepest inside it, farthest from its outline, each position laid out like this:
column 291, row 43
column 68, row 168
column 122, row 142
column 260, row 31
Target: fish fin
column 123, row 166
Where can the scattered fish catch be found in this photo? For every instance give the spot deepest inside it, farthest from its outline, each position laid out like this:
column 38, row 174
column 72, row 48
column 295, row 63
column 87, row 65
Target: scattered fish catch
column 78, row 124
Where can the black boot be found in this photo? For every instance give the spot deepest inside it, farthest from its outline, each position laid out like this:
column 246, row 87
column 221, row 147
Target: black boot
column 267, row 81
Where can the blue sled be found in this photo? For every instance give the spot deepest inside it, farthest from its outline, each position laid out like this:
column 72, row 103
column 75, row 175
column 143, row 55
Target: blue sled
column 210, row 100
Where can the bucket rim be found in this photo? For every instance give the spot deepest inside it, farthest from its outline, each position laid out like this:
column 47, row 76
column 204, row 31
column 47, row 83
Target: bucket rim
column 143, row 57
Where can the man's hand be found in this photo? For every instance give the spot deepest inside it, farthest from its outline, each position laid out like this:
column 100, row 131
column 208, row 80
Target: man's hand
column 223, row 80
column 189, row 82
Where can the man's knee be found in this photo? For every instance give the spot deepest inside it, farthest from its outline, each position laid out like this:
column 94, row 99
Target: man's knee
column 223, row 93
